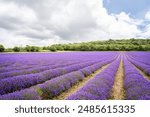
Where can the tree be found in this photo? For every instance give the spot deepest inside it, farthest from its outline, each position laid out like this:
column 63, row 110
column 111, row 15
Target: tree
column 84, row 47
column 2, row 49
column 16, row 49
column 106, row 45
column 32, row 48
column 52, row 48
column 28, row 48
column 44, row 48
column 108, row 48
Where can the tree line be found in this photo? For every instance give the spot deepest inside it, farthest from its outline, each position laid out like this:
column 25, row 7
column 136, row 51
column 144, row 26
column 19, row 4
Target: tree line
column 106, row 45
column 20, row 49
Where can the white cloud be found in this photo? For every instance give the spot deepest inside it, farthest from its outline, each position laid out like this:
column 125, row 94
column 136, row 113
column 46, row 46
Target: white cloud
column 147, row 16
column 13, row 11
column 146, row 32
column 39, row 22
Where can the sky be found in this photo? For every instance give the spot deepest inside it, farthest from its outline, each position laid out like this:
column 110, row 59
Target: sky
column 46, row 22
column 137, row 8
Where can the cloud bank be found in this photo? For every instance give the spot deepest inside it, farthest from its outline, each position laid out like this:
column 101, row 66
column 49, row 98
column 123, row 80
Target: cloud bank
column 44, row 22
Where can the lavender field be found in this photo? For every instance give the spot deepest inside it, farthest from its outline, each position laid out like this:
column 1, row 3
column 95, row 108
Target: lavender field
column 75, row 76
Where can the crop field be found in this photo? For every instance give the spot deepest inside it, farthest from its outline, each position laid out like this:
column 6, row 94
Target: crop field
column 75, row 76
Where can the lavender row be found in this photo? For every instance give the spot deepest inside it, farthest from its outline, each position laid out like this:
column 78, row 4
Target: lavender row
column 11, row 62
column 37, row 69
column 15, row 83
column 25, row 65
column 44, row 69
column 40, row 90
column 100, row 86
column 54, row 87
column 143, row 57
column 21, row 66
column 24, row 61
column 27, row 94
column 143, row 67
column 59, row 85
column 136, row 87
column 33, row 70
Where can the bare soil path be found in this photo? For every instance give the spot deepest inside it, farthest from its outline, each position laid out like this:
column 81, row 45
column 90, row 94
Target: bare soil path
column 118, row 92
column 147, row 77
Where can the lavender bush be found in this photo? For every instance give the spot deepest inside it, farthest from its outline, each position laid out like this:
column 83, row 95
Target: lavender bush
column 100, row 86
column 56, row 86
column 136, row 86
column 11, row 84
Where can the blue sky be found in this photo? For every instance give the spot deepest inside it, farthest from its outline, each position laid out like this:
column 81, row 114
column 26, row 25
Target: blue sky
column 136, row 8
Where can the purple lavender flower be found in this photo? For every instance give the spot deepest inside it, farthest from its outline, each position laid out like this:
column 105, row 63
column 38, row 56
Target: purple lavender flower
column 136, row 86
column 27, row 94
column 100, row 86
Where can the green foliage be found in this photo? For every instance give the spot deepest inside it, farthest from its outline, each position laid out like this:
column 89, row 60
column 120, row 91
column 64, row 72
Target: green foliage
column 108, row 45
column 16, row 49
column 2, row 49
column 8, row 50
column 32, row 48
column 52, row 48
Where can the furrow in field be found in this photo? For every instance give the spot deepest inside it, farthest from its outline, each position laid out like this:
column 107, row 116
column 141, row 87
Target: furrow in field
column 147, row 77
column 139, row 57
column 136, row 86
column 79, row 85
column 34, row 70
column 24, row 81
column 100, row 86
column 40, row 69
column 144, row 67
column 118, row 92
column 56, row 86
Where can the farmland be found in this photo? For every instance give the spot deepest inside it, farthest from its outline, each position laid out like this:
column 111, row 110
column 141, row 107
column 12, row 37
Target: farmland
column 75, row 76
